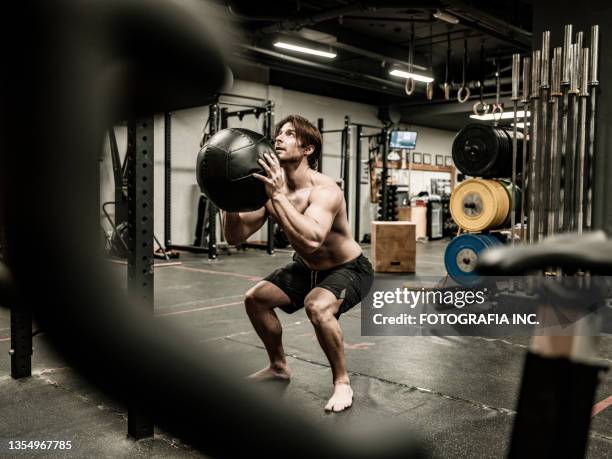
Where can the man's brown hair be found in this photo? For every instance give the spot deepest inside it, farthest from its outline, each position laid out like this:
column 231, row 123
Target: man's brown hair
column 306, row 134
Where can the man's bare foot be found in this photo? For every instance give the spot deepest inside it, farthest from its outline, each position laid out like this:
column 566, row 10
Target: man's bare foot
column 341, row 399
column 272, row 373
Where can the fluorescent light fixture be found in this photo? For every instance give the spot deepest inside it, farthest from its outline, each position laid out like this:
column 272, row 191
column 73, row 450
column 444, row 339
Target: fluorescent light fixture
column 414, row 76
column 496, row 116
column 520, row 125
column 303, row 49
column 442, row 16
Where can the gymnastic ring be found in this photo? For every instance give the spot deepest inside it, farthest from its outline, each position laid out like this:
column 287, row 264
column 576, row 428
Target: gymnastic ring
column 497, row 108
column 463, row 90
column 447, row 91
column 429, row 90
column 481, row 108
column 409, row 86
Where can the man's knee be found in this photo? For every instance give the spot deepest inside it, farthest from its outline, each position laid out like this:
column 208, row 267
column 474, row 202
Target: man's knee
column 253, row 299
column 257, row 299
column 319, row 311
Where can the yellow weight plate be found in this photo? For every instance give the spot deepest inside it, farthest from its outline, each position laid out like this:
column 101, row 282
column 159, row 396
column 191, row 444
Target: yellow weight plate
column 479, row 204
column 507, row 185
column 503, row 203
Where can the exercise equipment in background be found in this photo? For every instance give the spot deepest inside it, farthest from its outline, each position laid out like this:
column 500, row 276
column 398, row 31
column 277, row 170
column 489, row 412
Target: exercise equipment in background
column 352, row 136
column 462, row 254
column 117, row 242
column 481, row 204
column 480, row 150
column 391, row 213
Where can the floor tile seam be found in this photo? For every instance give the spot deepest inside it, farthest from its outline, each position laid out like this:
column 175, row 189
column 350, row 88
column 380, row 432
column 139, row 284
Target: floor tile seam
column 83, row 398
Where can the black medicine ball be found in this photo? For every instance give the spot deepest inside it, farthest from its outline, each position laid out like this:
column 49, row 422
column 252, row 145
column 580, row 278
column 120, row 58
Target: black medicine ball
column 225, row 168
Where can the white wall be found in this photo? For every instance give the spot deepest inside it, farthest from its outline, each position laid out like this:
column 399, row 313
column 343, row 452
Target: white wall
column 187, row 127
column 432, row 141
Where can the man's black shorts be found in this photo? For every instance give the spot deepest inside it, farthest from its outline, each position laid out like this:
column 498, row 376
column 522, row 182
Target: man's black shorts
column 350, row 281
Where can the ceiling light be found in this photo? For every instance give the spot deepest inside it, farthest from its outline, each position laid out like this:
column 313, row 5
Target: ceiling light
column 414, row 76
column 496, row 116
column 303, row 49
column 520, row 125
column 442, row 16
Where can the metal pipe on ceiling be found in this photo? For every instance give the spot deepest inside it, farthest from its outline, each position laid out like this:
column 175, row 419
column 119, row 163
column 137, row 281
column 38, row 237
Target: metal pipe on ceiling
column 332, row 74
column 491, row 25
column 360, row 51
column 323, row 76
column 375, row 56
column 346, row 77
column 461, row 5
column 460, row 32
column 296, row 24
column 487, row 82
column 386, row 19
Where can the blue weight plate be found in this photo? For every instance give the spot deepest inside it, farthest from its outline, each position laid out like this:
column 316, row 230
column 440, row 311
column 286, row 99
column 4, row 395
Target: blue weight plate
column 462, row 254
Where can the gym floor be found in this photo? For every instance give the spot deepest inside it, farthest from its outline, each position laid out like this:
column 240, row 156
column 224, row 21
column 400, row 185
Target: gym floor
column 457, row 393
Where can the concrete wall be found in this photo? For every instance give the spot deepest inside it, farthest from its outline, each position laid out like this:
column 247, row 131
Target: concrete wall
column 186, row 131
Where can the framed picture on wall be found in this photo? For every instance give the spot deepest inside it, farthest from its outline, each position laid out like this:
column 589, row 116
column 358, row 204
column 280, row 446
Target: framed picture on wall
column 439, row 160
column 448, row 161
column 426, row 158
column 416, row 157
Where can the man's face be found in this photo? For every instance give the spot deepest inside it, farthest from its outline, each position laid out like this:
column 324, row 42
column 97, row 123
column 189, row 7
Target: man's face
column 287, row 145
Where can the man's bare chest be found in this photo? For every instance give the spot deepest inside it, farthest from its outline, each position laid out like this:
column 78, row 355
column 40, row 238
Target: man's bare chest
column 298, row 199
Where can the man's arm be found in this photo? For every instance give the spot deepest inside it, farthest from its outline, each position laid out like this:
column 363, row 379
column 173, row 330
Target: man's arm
column 308, row 231
column 239, row 226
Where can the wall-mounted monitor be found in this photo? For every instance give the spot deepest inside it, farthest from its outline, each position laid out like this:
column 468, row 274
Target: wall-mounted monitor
column 403, row 139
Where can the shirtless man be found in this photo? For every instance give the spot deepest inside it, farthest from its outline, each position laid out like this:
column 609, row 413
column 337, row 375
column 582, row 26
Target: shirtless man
column 328, row 275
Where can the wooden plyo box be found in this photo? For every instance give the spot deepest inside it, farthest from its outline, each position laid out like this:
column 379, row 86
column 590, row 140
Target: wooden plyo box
column 394, row 247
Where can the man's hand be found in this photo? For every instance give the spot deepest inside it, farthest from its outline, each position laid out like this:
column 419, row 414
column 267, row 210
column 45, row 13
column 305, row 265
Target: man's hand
column 275, row 181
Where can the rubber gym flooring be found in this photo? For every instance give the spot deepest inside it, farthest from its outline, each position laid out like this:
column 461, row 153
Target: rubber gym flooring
column 457, row 393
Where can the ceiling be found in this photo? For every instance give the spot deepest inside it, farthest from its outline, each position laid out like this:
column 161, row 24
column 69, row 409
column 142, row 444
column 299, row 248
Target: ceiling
column 370, row 38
